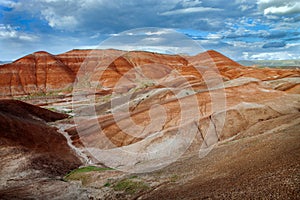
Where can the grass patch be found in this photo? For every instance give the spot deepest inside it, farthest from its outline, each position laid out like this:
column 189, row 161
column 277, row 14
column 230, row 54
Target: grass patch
column 107, row 184
column 87, row 169
column 107, row 98
column 41, row 94
column 52, row 109
column 174, row 178
column 132, row 177
column 130, row 187
column 80, row 173
column 31, row 96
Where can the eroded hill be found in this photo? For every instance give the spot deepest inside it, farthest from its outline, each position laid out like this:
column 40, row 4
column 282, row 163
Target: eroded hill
column 227, row 131
column 41, row 73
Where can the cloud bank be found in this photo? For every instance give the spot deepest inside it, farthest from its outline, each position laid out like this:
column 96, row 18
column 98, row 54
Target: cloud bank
column 240, row 29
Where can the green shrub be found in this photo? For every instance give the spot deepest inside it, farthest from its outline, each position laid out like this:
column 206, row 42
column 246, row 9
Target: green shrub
column 130, row 186
column 174, row 178
column 74, row 174
column 107, row 184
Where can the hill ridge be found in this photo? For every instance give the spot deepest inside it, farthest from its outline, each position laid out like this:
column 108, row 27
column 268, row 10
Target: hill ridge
column 43, row 72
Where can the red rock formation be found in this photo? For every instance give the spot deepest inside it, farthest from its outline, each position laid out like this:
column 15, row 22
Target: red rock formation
column 73, row 58
column 256, row 101
column 42, row 72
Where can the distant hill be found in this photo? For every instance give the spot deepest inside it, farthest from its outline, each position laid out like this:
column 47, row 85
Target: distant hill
column 4, row 62
column 272, row 63
column 42, row 72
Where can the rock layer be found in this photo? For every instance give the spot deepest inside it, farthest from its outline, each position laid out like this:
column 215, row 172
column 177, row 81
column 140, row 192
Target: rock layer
column 40, row 73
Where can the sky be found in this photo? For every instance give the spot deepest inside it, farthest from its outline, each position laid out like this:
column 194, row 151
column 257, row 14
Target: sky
column 240, row 29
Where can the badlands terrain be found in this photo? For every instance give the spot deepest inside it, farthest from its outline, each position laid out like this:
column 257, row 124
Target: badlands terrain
column 168, row 127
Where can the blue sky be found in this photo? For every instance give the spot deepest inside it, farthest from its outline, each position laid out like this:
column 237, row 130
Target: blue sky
column 241, row 29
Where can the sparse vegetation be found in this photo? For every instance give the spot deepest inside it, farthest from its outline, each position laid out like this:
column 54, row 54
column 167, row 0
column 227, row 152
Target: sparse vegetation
column 130, row 186
column 107, row 184
column 106, row 98
column 142, row 85
column 174, row 178
column 80, row 173
column 32, row 96
column 44, row 94
column 132, row 177
column 53, row 109
column 146, row 84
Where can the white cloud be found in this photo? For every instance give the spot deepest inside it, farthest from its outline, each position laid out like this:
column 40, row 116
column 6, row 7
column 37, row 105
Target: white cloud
column 245, row 56
column 279, row 7
column 214, row 36
column 189, row 3
column 87, row 47
column 244, row 5
column 155, row 48
column 10, row 32
column 245, row 45
column 191, row 10
column 293, row 45
column 152, row 39
column 138, row 31
column 160, row 32
column 57, row 21
column 8, row 3
column 187, row 50
column 241, row 31
column 236, row 25
column 282, row 55
column 105, row 15
column 287, row 9
column 95, row 36
column 208, row 42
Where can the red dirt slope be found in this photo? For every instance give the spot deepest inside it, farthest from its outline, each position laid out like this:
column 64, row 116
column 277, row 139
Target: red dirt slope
column 29, row 147
column 36, row 73
column 42, row 72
